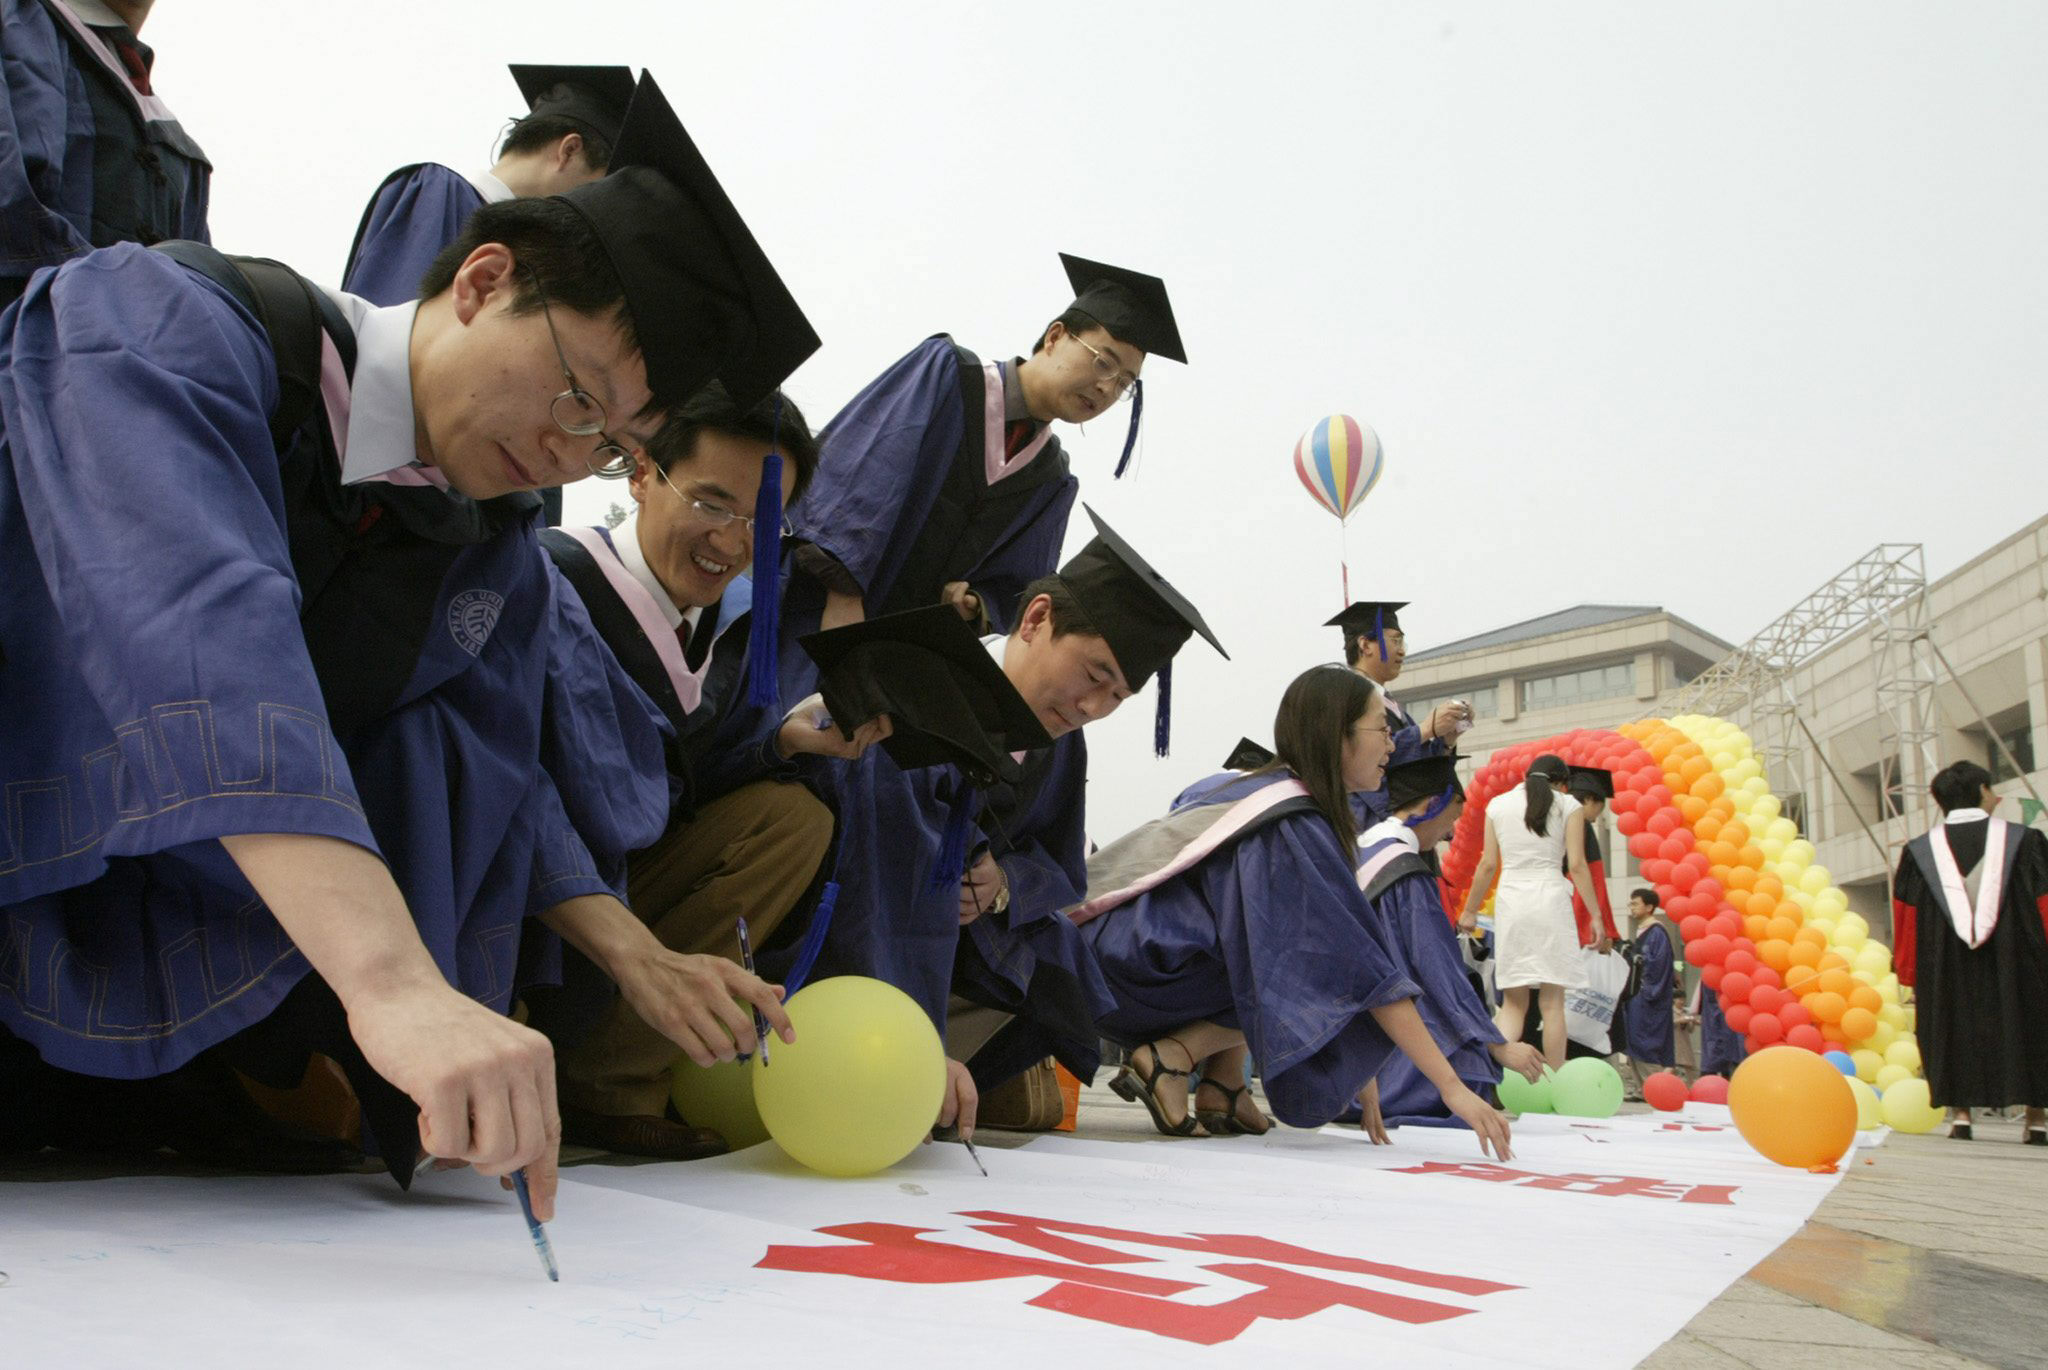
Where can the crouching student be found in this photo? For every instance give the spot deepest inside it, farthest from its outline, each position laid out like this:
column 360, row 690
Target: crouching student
column 1237, row 923
column 954, row 878
column 1402, row 889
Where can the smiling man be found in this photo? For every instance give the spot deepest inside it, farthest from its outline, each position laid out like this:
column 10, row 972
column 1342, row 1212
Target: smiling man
column 1375, row 646
column 668, row 591
column 942, row 481
column 979, row 927
column 317, row 731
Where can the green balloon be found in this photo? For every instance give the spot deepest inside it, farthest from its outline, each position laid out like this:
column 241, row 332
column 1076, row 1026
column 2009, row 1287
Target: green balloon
column 1587, row 1088
column 721, row 1098
column 1517, row 1095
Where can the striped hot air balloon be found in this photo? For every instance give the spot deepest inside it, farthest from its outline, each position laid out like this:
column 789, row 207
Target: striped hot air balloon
column 1339, row 460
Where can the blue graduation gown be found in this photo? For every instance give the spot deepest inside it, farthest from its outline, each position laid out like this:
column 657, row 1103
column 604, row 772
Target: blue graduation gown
column 1370, row 806
column 414, row 214
column 1270, row 935
column 151, row 620
column 1721, row 1047
column 1647, row 1014
column 1409, row 906
column 85, row 161
column 901, row 501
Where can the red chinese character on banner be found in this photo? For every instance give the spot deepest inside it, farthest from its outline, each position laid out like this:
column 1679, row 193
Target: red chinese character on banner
column 1085, row 1289
column 1608, row 1186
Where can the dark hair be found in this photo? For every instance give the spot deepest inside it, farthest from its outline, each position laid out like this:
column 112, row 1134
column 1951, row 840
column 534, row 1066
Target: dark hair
column 537, row 131
column 1960, row 786
column 1074, row 321
column 1316, row 714
column 1067, row 615
column 1544, row 771
column 712, row 410
column 1647, row 895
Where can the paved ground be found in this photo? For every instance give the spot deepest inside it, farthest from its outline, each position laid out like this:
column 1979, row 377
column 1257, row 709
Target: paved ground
column 1930, row 1253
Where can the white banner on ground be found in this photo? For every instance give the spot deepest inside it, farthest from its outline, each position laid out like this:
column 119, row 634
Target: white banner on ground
column 1298, row 1248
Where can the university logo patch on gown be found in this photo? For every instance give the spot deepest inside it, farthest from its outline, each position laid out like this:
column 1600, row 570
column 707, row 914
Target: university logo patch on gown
column 471, row 616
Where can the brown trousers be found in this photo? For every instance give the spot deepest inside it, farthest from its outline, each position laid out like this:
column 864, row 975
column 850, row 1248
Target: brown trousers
column 751, row 855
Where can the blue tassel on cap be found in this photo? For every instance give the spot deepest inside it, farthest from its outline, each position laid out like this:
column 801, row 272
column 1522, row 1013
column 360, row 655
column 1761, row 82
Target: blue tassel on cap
column 951, row 862
column 1162, row 721
column 1379, row 631
column 1131, row 438
column 764, row 685
column 814, row 940
column 1435, row 810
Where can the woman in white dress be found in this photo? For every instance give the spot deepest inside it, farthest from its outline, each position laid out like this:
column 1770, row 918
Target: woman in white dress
column 1531, row 841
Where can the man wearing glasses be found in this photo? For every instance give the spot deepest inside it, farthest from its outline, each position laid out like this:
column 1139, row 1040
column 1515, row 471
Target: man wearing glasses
column 668, row 590
column 300, row 729
column 943, row 482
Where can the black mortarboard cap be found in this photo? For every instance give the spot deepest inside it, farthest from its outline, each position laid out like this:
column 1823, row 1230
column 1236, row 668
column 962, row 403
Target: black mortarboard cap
column 1247, row 755
column 1590, row 782
column 1130, row 304
column 592, row 98
column 705, row 300
column 947, row 698
column 1427, row 777
column 1370, row 616
column 1139, row 614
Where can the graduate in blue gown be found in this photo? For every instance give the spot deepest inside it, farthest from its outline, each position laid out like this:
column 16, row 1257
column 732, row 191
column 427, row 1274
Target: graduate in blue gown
column 1375, row 646
column 952, row 882
column 90, row 155
column 1721, row 1047
column 1648, row 1011
column 943, row 480
column 301, row 679
column 1403, row 892
column 1237, row 923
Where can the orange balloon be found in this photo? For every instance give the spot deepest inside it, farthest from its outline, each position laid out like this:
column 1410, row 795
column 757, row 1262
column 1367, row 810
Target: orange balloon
column 1798, row 974
column 1752, row 856
column 1836, row 982
column 1793, row 1107
column 1706, row 827
column 1686, row 751
column 1804, row 954
column 1741, row 878
column 1858, row 1024
column 1709, row 786
column 1864, row 997
column 1761, row 907
column 1754, row 928
column 1721, row 852
column 1722, row 808
column 1767, row 883
column 1735, row 833
column 1791, row 911
column 1693, row 768
column 1781, row 927
column 1691, row 808
column 1833, row 960
column 1719, row 873
column 1814, row 936
column 1826, row 1006
column 1777, row 954
column 1832, row 1033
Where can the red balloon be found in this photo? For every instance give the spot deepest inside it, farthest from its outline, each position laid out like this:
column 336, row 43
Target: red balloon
column 1648, row 808
column 1657, row 870
column 1675, row 847
column 1726, row 924
column 1660, row 793
column 1664, row 822
column 1711, row 973
column 1806, row 1037
column 1643, row 846
column 1628, row 820
column 1795, row 1014
column 1692, row 929
column 1766, row 998
column 1739, row 1016
column 1684, row 876
column 1742, row 958
column 1664, row 1092
column 1735, row 987
column 1764, row 975
column 1709, row 1089
column 1708, row 888
column 1767, row 1028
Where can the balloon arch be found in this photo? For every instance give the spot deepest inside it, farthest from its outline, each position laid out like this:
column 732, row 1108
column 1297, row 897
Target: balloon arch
column 1771, row 935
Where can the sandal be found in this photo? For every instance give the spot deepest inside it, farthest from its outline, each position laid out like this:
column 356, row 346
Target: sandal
column 1136, row 1087
column 2034, row 1133
column 1224, row 1122
column 1959, row 1132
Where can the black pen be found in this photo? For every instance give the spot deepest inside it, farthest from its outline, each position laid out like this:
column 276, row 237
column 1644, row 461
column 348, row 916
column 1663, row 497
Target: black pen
column 760, row 1018
column 540, row 1235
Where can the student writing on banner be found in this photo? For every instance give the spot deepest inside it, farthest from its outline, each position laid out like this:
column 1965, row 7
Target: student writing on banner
column 1970, row 913
column 1235, row 923
column 277, row 606
column 90, row 155
column 1402, row 889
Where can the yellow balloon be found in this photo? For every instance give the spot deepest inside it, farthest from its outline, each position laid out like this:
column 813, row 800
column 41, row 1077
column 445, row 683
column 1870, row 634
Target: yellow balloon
column 1887, row 1076
column 1847, row 936
column 1783, row 829
column 1888, row 988
column 1904, row 1052
column 1800, row 851
column 861, row 1085
column 721, row 1098
column 1868, row 1062
column 1767, row 806
column 1907, row 1108
column 1883, row 1037
column 1814, row 879
column 1869, row 1109
column 1772, row 848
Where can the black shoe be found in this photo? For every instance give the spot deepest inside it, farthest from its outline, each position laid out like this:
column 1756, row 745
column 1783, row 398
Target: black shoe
column 1959, row 1132
column 641, row 1135
column 2035, row 1136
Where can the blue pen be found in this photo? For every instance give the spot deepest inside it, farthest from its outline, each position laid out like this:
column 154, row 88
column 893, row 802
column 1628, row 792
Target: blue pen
column 760, row 1018
column 540, row 1235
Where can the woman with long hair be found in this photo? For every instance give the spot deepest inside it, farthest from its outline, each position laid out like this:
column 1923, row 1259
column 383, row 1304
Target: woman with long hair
column 1536, row 844
column 1234, row 928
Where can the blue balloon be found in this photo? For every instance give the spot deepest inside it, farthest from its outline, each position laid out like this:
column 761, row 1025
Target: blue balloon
column 1840, row 1061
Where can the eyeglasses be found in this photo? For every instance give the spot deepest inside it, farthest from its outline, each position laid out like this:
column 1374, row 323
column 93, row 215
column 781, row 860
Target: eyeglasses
column 1107, row 369
column 717, row 515
column 1383, row 728
column 579, row 413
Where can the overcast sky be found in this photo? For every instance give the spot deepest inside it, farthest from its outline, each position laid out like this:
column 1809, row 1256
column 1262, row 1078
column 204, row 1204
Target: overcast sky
column 1685, row 305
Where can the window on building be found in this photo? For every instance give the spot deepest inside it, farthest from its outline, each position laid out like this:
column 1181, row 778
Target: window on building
column 1795, row 809
column 2014, row 727
column 1579, row 687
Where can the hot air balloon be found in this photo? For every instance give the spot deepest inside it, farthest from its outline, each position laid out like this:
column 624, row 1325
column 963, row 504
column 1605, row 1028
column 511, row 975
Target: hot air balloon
column 1339, row 461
